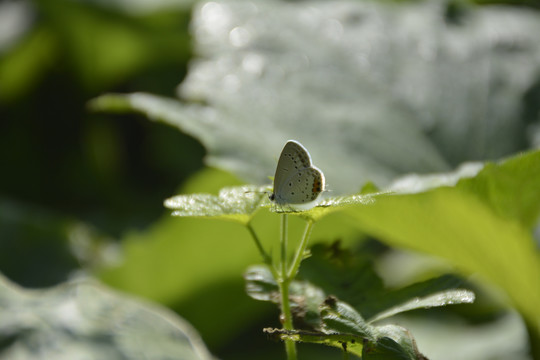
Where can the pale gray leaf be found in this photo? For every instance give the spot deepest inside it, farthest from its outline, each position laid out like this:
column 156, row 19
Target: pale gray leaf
column 85, row 320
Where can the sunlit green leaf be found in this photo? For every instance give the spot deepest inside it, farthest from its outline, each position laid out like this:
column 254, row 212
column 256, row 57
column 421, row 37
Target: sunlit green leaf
column 449, row 297
column 510, row 188
column 240, row 204
column 461, row 229
column 395, row 297
column 415, row 183
column 331, row 204
column 233, row 203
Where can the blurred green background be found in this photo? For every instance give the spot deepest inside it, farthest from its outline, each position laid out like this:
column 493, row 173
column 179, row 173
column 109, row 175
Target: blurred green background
column 81, row 191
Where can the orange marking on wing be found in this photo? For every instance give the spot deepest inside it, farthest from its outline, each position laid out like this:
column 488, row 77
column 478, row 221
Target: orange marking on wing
column 316, row 186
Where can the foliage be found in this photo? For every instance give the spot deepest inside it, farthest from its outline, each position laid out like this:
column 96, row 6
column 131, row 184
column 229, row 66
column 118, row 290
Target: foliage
column 83, row 318
column 389, row 88
column 374, row 90
column 456, row 224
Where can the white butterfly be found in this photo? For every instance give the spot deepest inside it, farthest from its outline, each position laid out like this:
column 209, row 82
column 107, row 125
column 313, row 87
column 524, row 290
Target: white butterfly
column 297, row 183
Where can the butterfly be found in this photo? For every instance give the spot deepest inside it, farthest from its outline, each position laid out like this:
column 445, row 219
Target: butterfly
column 297, row 182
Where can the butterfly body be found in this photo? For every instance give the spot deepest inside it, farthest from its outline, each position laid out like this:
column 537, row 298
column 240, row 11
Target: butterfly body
column 297, row 182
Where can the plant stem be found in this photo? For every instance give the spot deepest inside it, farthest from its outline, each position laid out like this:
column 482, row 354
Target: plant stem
column 284, row 231
column 284, row 281
column 299, row 256
column 266, row 258
column 290, row 345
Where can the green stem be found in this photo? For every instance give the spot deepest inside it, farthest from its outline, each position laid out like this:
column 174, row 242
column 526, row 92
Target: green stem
column 299, row 256
column 284, row 230
column 284, row 281
column 266, row 258
column 290, row 345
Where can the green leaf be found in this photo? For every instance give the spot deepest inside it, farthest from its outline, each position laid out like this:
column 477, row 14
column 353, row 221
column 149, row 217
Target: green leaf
column 395, row 297
column 261, row 285
column 415, row 183
column 393, row 342
column 350, row 276
column 449, row 297
column 335, row 203
column 83, row 319
column 340, row 317
column 242, row 202
column 371, row 127
column 510, row 188
column 459, row 228
column 345, row 328
column 233, row 203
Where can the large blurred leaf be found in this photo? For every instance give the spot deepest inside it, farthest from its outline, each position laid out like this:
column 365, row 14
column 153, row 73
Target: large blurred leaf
column 83, row 319
column 510, row 189
column 478, row 234
column 373, row 90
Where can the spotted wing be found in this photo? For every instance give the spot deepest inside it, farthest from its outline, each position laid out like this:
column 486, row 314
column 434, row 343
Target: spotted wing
column 293, row 158
column 303, row 186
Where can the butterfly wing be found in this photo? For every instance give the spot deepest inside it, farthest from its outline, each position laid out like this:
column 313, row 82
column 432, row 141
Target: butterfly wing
column 296, row 181
column 293, row 157
column 303, row 186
